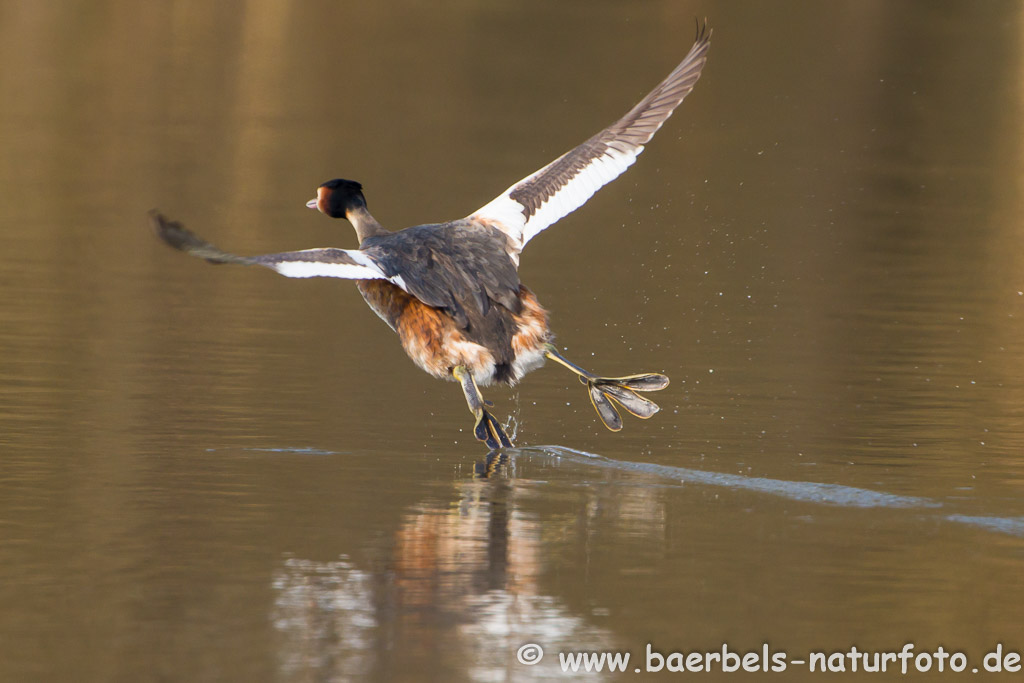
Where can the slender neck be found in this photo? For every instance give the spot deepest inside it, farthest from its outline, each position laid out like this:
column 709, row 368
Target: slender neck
column 365, row 224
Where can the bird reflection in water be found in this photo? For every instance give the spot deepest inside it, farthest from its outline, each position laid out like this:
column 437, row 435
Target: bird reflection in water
column 456, row 590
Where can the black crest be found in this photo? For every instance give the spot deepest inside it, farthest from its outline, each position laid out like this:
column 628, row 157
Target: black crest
column 342, row 196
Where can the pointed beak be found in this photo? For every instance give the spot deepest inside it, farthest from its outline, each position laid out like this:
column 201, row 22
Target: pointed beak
column 311, row 204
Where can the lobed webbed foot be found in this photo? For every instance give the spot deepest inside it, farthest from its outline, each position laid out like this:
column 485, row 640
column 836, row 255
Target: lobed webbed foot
column 606, row 392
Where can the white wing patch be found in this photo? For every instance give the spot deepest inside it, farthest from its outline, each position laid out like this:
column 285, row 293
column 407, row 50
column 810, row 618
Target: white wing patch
column 350, row 264
column 318, row 269
column 575, row 193
column 545, row 197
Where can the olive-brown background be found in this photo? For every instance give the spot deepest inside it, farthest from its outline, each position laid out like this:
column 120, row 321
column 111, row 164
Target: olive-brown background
column 217, row 474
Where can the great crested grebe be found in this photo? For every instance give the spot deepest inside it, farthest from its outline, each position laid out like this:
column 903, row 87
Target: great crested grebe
column 451, row 290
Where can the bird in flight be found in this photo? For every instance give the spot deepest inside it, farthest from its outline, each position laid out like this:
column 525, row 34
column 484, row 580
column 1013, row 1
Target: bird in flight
column 451, row 291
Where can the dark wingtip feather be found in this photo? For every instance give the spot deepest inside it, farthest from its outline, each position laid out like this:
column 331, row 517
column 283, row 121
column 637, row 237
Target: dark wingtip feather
column 175, row 235
column 703, row 30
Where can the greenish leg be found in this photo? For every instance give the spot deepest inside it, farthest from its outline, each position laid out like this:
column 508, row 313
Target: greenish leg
column 605, row 392
column 487, row 428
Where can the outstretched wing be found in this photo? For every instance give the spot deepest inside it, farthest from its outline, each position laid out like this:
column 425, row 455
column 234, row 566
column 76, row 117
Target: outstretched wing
column 344, row 263
column 543, row 198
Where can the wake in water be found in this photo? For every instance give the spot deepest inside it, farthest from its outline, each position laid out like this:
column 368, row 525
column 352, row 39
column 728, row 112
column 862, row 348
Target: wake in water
column 805, row 491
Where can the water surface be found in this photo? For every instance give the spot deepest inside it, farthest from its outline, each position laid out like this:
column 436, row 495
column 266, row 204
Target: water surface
column 214, row 474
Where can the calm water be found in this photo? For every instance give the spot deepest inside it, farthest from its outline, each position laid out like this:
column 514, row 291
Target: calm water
column 217, row 474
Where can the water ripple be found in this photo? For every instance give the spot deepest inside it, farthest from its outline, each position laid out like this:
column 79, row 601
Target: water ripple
column 808, row 491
